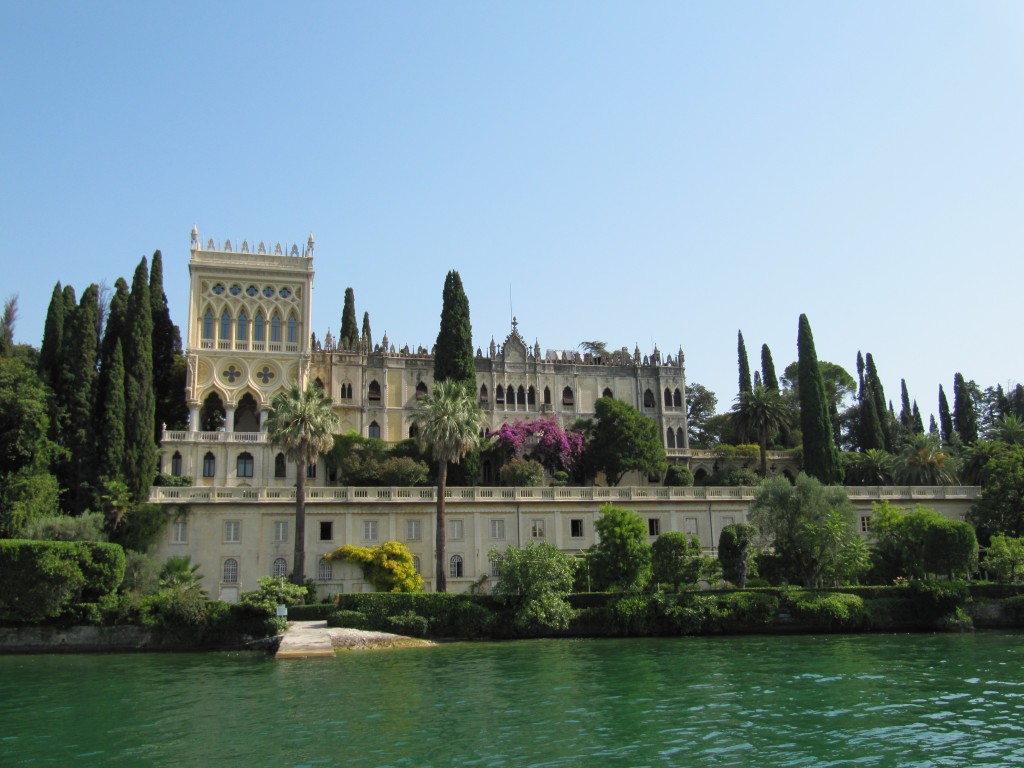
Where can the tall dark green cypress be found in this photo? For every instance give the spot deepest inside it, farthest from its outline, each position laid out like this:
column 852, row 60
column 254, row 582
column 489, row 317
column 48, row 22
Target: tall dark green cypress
column 870, row 434
column 945, row 418
column 965, row 417
column 768, row 377
column 744, row 364
column 821, row 458
column 917, row 423
column 110, row 447
column 53, row 332
column 906, row 412
column 169, row 391
column 453, row 353
column 874, row 384
column 140, row 404
column 349, row 336
column 80, row 379
column 366, row 338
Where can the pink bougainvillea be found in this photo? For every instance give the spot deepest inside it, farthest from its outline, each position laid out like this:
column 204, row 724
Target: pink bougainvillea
column 544, row 440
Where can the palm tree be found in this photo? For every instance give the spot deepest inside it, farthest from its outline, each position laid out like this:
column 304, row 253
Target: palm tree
column 922, row 462
column 872, row 467
column 763, row 412
column 1007, row 429
column 302, row 423
column 449, row 423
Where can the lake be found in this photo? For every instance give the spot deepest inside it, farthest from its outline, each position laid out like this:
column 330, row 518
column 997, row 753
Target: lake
column 854, row 700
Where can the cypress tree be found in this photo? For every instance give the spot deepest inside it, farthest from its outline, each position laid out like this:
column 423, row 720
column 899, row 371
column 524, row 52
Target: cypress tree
column 768, row 377
column 870, row 434
column 366, row 338
column 906, row 413
column 80, row 379
column 945, row 419
column 453, row 353
column 53, row 332
column 965, row 418
column 757, row 380
column 933, row 428
column 349, row 337
column 117, row 323
column 140, row 405
column 874, row 384
column 7, row 330
column 744, row 365
column 860, row 372
column 917, row 424
column 169, row 391
column 1016, row 399
column 821, row 458
column 111, row 417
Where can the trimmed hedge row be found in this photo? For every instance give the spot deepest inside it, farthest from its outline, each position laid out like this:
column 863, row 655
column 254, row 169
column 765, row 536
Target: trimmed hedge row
column 43, row 579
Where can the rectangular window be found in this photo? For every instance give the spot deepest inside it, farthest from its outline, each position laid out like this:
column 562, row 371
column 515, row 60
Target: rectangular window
column 728, row 521
column 455, row 530
column 653, row 526
column 412, row 530
column 537, row 529
column 576, row 528
column 281, row 530
column 232, row 532
column 209, row 465
column 179, row 532
column 311, row 471
column 369, row 530
column 326, row 530
column 494, row 569
column 865, row 523
column 690, row 526
column 498, row 529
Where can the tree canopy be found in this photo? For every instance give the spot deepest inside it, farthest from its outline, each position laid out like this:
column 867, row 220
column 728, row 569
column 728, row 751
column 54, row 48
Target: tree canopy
column 453, row 354
column 621, row 559
column 623, row 440
column 821, row 458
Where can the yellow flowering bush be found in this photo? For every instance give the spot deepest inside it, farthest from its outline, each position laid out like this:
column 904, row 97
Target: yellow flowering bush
column 388, row 567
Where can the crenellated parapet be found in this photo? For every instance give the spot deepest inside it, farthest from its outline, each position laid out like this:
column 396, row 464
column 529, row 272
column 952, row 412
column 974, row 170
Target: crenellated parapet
column 261, row 249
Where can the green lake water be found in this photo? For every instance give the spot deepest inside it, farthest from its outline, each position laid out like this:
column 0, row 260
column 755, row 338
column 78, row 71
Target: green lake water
column 859, row 700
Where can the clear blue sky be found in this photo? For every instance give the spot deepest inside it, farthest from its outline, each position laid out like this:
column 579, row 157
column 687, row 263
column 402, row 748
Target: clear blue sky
column 636, row 173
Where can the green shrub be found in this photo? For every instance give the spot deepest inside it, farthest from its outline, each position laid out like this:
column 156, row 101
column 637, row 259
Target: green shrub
column 42, row 579
column 172, row 481
column 272, row 593
column 834, row 610
column 678, row 476
column 315, row 612
column 937, row 600
column 634, row 615
column 748, row 609
column 350, row 619
column 408, row 623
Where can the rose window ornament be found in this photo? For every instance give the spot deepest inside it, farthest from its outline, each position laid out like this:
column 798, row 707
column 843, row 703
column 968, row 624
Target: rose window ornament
column 266, row 375
column 231, row 374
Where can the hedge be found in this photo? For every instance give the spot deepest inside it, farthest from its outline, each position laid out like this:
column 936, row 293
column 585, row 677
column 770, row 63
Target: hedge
column 43, row 579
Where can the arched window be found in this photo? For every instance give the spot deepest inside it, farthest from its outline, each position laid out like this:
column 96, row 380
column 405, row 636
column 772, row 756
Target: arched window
column 324, row 570
column 677, row 398
column 212, row 415
column 176, row 464
column 521, row 395
column 679, row 438
column 243, row 326
column 280, row 569
column 455, row 567
column 374, row 430
column 567, row 396
column 247, row 417
column 671, row 435
column 209, row 465
column 499, row 395
column 231, row 570
column 293, row 331
column 421, row 390
column 346, row 391
column 607, row 393
column 373, row 392
column 208, row 325
column 311, row 471
column 416, row 563
column 648, row 399
column 668, row 397
column 275, row 327
column 414, row 431
column 483, row 394
column 244, row 464
column 319, row 384
column 547, row 396
column 280, row 468
column 510, row 395
column 531, row 396
column 257, row 327
column 225, row 326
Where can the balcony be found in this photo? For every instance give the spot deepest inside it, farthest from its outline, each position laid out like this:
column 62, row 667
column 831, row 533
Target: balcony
column 235, row 438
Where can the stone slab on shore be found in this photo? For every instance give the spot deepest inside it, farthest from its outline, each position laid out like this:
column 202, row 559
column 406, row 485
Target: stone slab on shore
column 314, row 639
